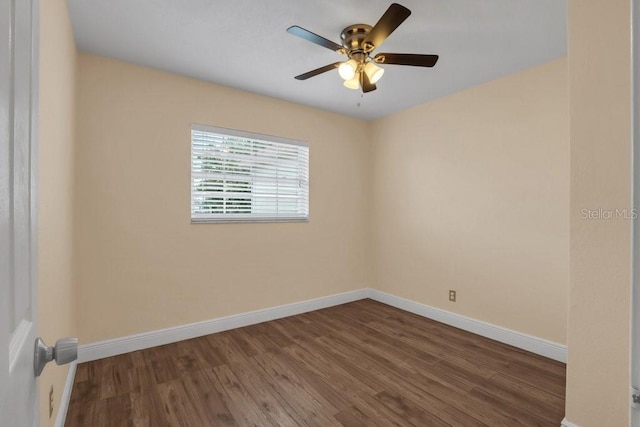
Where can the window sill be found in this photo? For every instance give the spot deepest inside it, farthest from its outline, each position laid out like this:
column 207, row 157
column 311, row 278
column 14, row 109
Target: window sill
column 245, row 220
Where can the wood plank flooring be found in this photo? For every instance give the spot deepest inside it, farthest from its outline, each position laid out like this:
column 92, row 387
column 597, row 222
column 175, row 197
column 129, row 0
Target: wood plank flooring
column 358, row 364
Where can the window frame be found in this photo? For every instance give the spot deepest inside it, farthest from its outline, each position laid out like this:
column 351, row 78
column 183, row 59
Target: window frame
column 252, row 136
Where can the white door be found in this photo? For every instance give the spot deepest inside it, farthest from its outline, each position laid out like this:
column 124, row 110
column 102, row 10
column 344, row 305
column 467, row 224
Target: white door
column 18, row 90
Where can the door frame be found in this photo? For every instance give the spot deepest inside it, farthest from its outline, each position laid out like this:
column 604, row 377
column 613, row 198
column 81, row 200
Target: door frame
column 635, row 185
column 34, row 141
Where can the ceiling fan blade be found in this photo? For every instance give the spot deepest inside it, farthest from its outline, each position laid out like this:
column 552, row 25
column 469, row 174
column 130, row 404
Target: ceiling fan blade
column 406, row 59
column 367, row 86
column 392, row 18
column 317, row 71
column 314, row 38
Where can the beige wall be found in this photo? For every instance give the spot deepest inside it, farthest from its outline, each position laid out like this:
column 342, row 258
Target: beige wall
column 56, row 299
column 471, row 193
column 141, row 265
column 497, row 232
column 599, row 298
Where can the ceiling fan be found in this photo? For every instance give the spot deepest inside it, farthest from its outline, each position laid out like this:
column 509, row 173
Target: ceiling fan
column 358, row 43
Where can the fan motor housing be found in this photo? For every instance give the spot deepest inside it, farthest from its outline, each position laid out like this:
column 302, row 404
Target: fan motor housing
column 353, row 40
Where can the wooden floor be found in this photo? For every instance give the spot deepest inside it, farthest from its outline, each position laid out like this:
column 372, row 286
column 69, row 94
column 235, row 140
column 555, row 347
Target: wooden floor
column 358, row 364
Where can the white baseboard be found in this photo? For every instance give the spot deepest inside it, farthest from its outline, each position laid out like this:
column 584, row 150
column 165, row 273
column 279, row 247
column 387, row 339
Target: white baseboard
column 566, row 423
column 113, row 347
column 530, row 343
column 65, row 397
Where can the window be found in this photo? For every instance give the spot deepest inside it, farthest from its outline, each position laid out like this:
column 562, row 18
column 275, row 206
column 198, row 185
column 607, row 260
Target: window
column 241, row 176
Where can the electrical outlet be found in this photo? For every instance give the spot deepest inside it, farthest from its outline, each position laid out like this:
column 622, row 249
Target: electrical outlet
column 51, row 401
column 452, row 296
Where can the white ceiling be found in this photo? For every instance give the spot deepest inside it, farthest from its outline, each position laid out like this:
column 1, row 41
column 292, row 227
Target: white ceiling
column 243, row 44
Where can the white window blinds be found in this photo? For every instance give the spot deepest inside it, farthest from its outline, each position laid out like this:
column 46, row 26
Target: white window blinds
column 240, row 176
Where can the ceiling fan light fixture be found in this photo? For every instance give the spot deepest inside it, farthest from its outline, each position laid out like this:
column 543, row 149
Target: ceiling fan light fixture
column 353, row 83
column 360, row 69
column 373, row 72
column 347, row 70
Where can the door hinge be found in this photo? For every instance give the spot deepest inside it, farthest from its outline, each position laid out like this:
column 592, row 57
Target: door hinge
column 635, row 397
